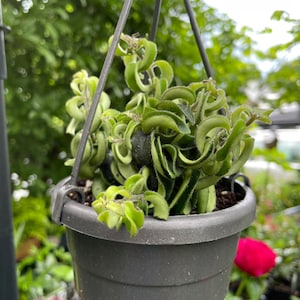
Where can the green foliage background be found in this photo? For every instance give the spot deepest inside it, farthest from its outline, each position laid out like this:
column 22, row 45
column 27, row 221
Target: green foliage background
column 51, row 40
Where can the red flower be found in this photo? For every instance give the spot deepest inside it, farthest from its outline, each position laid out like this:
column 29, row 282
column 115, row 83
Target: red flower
column 254, row 257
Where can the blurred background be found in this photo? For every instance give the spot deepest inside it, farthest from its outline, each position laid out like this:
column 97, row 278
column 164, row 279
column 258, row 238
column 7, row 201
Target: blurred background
column 253, row 48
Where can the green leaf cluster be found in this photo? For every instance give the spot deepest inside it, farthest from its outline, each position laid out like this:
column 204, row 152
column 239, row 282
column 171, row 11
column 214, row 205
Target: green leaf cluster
column 32, row 215
column 163, row 154
column 45, row 272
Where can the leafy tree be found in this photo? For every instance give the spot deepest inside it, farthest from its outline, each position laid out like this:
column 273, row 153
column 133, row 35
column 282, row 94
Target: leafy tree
column 286, row 82
column 285, row 79
column 51, row 40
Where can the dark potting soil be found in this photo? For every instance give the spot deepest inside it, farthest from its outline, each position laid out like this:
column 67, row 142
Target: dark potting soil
column 225, row 196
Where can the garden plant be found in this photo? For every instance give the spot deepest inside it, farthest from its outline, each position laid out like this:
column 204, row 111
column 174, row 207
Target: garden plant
column 164, row 154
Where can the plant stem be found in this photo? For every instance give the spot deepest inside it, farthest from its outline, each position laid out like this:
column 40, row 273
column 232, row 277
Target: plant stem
column 241, row 286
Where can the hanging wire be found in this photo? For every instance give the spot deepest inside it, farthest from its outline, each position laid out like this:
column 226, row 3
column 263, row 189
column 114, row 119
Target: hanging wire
column 155, row 21
column 196, row 31
column 200, row 45
column 100, row 87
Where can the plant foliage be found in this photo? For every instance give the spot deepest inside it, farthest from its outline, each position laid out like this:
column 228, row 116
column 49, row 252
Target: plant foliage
column 163, row 154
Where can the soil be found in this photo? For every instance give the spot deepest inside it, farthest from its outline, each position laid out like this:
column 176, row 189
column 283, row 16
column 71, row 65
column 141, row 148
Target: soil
column 225, row 197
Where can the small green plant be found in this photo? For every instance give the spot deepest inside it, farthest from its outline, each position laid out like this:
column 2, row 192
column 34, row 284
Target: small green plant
column 43, row 269
column 166, row 151
column 46, row 271
column 32, row 215
column 32, row 219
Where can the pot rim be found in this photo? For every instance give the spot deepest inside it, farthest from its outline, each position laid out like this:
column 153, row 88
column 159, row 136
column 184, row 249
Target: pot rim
column 177, row 230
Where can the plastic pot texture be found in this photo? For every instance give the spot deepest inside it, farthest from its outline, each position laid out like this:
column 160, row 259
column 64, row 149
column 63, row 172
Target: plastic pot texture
column 186, row 257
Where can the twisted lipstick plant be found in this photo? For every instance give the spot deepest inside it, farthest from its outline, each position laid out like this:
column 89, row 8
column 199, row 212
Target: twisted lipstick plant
column 166, row 151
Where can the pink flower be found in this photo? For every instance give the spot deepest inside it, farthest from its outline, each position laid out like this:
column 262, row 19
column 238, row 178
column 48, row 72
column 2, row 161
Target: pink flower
column 254, row 257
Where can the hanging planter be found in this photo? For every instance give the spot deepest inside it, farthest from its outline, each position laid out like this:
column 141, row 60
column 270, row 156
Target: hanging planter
column 186, row 257
column 146, row 224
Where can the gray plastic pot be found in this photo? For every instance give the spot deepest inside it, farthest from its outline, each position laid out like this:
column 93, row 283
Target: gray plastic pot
column 186, row 257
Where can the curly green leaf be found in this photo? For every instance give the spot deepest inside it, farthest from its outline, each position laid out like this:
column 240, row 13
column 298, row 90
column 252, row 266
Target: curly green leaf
column 160, row 205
